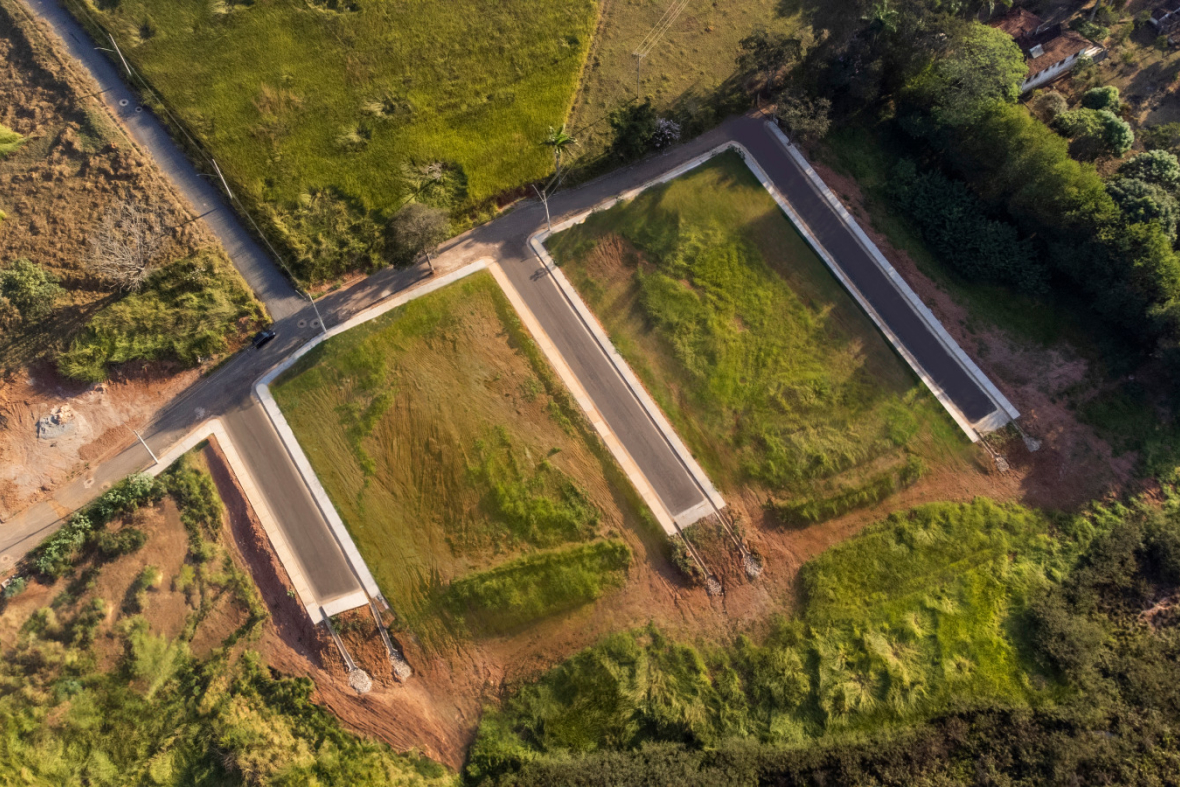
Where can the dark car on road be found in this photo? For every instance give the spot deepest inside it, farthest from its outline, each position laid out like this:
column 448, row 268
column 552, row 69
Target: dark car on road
column 263, row 338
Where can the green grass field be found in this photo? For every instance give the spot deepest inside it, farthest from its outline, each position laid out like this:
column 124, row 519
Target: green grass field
column 461, row 468
column 293, row 97
column 766, row 366
column 920, row 612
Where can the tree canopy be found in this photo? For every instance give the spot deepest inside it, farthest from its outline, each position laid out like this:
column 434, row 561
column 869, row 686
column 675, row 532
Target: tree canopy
column 979, row 66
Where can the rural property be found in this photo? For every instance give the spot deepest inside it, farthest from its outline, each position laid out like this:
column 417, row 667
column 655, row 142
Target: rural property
column 616, row 392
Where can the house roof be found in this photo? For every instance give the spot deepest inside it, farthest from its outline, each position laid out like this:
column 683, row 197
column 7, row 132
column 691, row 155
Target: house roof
column 1062, row 46
column 1165, row 9
column 1043, row 45
column 1018, row 23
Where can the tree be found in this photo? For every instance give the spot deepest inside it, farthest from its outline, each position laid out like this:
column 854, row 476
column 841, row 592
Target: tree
column 1096, row 131
column 768, row 53
column 1106, row 97
column 1155, row 166
column 802, row 115
column 560, row 141
column 980, row 66
column 127, row 243
column 418, row 229
column 1048, row 105
column 1142, row 202
column 29, row 289
column 635, row 127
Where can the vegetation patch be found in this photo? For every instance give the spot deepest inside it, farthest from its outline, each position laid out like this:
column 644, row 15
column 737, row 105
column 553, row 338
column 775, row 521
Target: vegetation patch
column 187, row 312
column 453, row 454
column 94, row 692
column 768, row 369
column 538, row 585
column 965, row 614
column 352, row 102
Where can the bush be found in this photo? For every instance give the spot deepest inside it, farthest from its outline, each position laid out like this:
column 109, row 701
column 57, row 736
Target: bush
column 1158, row 167
column 1048, row 105
column 634, row 129
column 185, row 313
column 1165, row 136
column 123, row 542
column 955, row 224
column 1096, row 131
column 1106, row 97
column 1146, row 202
column 54, row 557
column 30, row 289
column 803, row 116
column 15, row 587
column 9, row 141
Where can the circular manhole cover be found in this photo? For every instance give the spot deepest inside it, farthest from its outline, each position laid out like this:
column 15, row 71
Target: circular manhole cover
column 315, row 323
column 123, row 102
column 89, row 482
column 303, row 323
column 139, row 109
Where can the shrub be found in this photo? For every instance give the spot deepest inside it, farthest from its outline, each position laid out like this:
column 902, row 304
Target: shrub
column 1144, row 202
column 1164, row 136
column 185, row 313
column 1158, row 167
column 122, row 542
column 30, row 289
column 326, row 235
column 634, row 129
column 955, row 224
column 1106, row 97
column 1096, row 131
column 803, row 116
column 9, row 141
column 1048, row 105
column 15, row 587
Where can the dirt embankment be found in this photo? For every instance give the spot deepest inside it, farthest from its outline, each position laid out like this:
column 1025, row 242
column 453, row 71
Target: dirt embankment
column 75, row 165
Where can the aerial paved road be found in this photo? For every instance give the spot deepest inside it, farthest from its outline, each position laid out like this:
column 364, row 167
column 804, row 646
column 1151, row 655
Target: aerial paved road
column 227, row 393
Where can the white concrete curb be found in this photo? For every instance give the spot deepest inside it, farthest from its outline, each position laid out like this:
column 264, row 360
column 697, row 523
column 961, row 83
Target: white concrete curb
column 901, row 284
column 1005, row 410
column 571, row 381
column 214, row 428
column 262, row 390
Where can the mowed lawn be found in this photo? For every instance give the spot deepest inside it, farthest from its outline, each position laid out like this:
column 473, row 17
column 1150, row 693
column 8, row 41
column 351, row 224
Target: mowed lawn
column 459, row 465
column 769, row 370
column 295, row 95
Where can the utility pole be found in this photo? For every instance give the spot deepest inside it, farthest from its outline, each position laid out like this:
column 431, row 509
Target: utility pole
column 638, row 65
column 143, row 442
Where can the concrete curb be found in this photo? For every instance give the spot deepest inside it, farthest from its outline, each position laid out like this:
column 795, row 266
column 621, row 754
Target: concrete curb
column 944, row 338
column 262, row 391
column 571, row 381
column 537, row 242
column 214, row 428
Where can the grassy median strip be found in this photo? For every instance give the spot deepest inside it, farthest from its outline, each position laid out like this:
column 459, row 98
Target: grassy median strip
column 768, row 369
column 451, row 450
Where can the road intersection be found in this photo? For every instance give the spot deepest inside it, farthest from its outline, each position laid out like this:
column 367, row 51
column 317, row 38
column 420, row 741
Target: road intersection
column 227, row 394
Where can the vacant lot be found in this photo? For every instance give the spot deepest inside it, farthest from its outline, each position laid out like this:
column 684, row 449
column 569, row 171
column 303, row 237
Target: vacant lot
column 768, row 369
column 459, row 465
column 296, row 97
column 684, row 69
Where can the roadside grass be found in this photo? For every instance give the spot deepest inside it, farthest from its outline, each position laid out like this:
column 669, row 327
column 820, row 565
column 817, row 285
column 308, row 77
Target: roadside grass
column 693, row 59
column 454, row 456
column 769, row 371
column 921, row 612
column 188, row 311
column 295, row 98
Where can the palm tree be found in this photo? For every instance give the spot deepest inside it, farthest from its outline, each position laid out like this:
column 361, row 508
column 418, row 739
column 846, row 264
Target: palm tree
column 559, row 139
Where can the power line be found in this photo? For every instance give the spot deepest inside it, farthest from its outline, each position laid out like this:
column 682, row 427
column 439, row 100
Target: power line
column 653, row 37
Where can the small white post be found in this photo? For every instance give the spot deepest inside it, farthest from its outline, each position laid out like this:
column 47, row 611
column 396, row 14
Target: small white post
column 155, row 458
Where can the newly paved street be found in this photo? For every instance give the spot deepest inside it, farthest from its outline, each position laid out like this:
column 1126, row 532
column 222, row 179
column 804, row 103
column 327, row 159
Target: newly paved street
column 227, row 392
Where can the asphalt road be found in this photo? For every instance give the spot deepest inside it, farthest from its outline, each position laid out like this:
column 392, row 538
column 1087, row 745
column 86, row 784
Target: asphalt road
column 228, row 391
